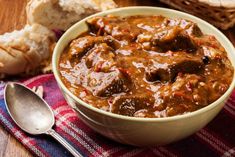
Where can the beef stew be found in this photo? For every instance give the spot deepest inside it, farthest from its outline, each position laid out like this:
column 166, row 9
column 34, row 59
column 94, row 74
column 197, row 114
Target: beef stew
column 145, row 66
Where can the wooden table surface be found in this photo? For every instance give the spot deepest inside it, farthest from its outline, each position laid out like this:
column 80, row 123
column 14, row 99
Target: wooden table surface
column 12, row 16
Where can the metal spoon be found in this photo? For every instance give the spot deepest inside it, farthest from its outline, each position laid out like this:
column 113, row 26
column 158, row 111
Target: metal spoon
column 32, row 114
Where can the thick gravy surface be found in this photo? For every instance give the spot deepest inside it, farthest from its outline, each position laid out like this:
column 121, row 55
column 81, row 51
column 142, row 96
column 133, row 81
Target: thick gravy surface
column 145, row 66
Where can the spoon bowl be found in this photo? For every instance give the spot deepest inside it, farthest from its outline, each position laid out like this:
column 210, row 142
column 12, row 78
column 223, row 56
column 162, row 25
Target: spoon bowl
column 35, row 116
column 32, row 114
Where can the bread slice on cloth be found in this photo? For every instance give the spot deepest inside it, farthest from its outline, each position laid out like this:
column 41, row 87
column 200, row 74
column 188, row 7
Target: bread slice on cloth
column 61, row 14
column 23, row 51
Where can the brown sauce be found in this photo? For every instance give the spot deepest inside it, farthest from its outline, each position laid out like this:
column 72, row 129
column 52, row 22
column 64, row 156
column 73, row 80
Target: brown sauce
column 145, row 66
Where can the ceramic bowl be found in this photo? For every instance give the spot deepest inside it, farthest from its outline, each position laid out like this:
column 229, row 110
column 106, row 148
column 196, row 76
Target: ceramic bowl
column 142, row 131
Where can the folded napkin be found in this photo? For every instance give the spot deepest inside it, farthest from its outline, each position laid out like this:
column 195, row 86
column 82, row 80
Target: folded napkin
column 216, row 139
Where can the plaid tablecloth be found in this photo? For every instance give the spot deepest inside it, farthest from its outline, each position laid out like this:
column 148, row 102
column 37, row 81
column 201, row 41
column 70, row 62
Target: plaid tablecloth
column 216, row 139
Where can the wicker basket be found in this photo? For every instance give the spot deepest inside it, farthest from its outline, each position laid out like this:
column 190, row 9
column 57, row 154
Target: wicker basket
column 220, row 13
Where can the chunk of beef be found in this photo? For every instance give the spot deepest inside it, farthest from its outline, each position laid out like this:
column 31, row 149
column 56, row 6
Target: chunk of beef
column 166, row 68
column 101, row 25
column 106, row 84
column 81, row 46
column 174, row 42
column 168, row 38
column 160, row 35
column 119, row 28
column 129, row 104
column 187, row 27
column 181, row 42
column 100, row 58
column 188, row 93
column 194, row 30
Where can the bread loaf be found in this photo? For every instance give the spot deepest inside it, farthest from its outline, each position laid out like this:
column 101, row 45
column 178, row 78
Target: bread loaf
column 61, row 14
column 22, row 51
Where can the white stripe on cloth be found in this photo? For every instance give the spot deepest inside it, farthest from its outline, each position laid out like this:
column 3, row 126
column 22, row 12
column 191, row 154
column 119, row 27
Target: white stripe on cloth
column 228, row 103
column 167, row 152
column 229, row 153
column 133, row 152
column 217, row 144
column 1, row 93
column 25, row 140
column 112, row 151
column 229, row 109
column 158, row 152
column 2, row 84
column 62, row 119
column 76, row 129
column 89, row 140
column 83, row 134
column 232, row 100
column 215, row 139
column 78, row 139
column 211, row 143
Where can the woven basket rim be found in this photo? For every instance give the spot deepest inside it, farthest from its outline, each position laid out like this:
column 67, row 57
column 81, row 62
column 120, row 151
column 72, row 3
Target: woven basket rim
column 220, row 15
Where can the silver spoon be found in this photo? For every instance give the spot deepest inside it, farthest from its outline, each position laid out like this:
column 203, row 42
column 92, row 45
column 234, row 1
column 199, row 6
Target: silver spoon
column 32, row 114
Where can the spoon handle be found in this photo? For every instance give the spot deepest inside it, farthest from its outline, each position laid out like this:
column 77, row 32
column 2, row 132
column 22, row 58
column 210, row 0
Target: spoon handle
column 62, row 141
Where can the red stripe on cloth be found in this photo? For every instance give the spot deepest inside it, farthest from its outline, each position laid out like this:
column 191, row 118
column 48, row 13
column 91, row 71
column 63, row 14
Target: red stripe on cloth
column 113, row 151
column 166, row 151
column 75, row 140
column 229, row 153
column 64, row 116
column 38, row 79
column 133, row 152
column 215, row 138
column 90, row 147
column 206, row 141
column 231, row 104
column 229, row 111
column 213, row 141
column 67, row 120
column 84, row 131
column 223, row 128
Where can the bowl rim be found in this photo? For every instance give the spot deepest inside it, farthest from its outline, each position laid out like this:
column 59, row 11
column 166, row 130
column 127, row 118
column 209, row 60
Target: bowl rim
column 139, row 119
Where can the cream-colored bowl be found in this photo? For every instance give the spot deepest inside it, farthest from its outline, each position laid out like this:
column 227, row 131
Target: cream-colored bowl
column 142, row 131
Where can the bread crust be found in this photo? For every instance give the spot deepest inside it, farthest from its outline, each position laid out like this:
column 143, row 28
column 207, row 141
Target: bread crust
column 23, row 51
column 61, row 14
